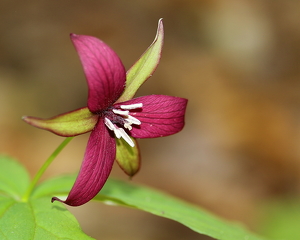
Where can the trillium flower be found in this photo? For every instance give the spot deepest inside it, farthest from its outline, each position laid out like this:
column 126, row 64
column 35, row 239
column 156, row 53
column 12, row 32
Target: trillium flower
column 112, row 116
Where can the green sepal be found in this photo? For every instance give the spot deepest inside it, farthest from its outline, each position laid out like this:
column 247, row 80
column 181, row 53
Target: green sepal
column 128, row 157
column 145, row 66
column 68, row 124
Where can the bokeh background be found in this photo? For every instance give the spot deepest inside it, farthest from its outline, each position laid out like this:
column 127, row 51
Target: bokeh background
column 237, row 61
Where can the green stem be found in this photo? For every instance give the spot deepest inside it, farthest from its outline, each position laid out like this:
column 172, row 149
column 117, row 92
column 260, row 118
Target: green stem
column 44, row 168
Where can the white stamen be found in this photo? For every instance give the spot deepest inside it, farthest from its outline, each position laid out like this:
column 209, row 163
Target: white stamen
column 117, row 132
column 120, row 112
column 126, row 137
column 133, row 120
column 132, row 106
column 109, row 124
column 127, row 121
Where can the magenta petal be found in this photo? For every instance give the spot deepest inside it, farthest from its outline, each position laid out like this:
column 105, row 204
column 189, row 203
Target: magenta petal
column 160, row 115
column 97, row 164
column 104, row 71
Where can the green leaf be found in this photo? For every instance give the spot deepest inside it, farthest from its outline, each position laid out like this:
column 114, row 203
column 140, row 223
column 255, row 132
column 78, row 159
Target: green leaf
column 281, row 221
column 59, row 186
column 152, row 201
column 36, row 218
column 128, row 157
column 10, row 172
column 145, row 66
column 164, row 205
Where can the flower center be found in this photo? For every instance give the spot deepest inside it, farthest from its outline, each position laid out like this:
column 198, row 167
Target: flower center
column 121, row 117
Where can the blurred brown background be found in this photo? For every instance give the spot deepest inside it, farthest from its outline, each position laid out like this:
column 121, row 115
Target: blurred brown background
column 237, row 62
